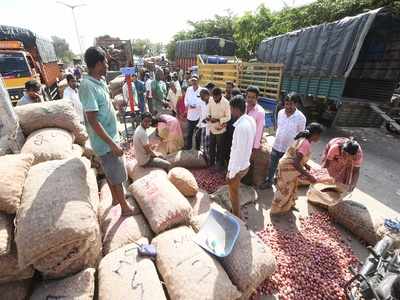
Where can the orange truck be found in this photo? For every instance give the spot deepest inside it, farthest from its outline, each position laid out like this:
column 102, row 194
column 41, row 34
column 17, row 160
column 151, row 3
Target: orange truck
column 25, row 56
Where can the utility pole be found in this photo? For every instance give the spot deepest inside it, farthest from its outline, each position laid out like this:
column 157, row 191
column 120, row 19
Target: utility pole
column 72, row 7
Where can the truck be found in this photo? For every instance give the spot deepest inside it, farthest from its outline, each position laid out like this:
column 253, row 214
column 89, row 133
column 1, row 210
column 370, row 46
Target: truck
column 25, row 56
column 186, row 51
column 119, row 52
column 345, row 71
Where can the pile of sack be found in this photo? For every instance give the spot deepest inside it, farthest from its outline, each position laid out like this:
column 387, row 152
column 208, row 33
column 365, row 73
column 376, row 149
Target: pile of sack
column 59, row 226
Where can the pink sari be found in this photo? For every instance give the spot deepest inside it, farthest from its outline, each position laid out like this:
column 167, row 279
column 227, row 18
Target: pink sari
column 170, row 133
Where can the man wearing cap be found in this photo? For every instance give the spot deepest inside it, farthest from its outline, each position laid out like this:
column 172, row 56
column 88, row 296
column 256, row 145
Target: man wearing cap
column 193, row 104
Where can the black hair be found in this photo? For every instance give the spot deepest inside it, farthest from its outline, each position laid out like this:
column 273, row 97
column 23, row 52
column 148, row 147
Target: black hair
column 238, row 102
column 351, row 146
column 93, row 55
column 70, row 77
column 210, row 86
column 293, row 97
column 230, row 83
column 32, row 85
column 253, row 89
column 216, row 91
column 184, row 88
column 154, row 121
column 312, row 128
column 236, row 91
column 204, row 92
column 146, row 115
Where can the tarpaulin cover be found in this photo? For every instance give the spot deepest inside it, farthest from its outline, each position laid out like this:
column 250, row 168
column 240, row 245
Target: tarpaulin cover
column 209, row 46
column 326, row 50
column 30, row 40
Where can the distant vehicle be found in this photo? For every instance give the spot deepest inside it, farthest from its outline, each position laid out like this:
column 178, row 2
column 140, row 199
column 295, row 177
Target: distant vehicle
column 119, row 51
column 186, row 51
column 25, row 56
column 343, row 70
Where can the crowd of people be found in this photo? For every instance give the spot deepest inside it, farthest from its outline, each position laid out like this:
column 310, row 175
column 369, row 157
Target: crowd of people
column 225, row 125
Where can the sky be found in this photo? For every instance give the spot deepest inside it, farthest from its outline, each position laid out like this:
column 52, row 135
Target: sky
column 152, row 19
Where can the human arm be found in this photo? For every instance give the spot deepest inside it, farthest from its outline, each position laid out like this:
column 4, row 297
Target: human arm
column 260, row 122
column 354, row 179
column 303, row 171
column 227, row 114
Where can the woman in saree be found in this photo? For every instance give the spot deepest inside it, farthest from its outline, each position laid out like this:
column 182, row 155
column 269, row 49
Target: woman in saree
column 170, row 132
column 293, row 165
column 159, row 92
column 343, row 158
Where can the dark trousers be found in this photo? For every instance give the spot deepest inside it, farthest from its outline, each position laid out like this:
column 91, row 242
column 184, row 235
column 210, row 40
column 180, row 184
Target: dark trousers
column 191, row 129
column 217, row 148
column 228, row 139
column 273, row 165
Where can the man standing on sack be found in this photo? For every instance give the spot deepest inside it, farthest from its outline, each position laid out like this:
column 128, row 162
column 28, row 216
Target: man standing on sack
column 102, row 125
column 291, row 122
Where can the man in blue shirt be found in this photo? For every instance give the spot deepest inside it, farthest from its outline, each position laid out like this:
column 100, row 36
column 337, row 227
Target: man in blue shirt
column 102, row 125
column 140, row 90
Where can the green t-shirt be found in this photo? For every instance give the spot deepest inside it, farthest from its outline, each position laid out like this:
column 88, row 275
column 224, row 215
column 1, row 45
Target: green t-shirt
column 95, row 96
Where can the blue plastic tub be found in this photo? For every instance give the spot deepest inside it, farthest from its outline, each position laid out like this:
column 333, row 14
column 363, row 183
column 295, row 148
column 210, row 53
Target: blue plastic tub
column 269, row 106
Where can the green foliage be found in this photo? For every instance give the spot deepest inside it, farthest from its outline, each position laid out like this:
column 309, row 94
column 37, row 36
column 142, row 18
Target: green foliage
column 144, row 47
column 62, row 50
column 251, row 28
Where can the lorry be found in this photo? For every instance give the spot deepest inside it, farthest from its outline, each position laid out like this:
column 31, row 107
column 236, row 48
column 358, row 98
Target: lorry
column 119, row 52
column 186, row 51
column 345, row 71
column 25, row 56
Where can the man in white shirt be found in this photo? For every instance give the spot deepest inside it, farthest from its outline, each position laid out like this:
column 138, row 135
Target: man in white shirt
column 291, row 121
column 173, row 95
column 71, row 93
column 125, row 94
column 149, row 96
column 202, row 125
column 242, row 145
column 193, row 103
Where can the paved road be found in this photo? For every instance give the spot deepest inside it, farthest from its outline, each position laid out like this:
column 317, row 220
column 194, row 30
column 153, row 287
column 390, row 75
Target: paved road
column 380, row 173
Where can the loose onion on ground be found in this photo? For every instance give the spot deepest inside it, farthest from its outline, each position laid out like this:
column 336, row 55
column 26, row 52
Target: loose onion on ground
column 312, row 261
column 209, row 179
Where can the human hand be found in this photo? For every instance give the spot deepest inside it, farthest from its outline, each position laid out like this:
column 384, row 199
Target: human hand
column 116, row 150
column 311, row 178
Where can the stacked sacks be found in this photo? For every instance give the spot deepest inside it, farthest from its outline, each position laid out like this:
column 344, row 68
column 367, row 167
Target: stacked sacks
column 16, row 290
column 189, row 272
column 187, row 159
column 57, row 226
column 247, row 195
column 123, row 274
column 78, row 287
column 260, row 162
column 136, row 172
column 161, row 202
column 184, row 181
column 57, row 114
column 116, row 85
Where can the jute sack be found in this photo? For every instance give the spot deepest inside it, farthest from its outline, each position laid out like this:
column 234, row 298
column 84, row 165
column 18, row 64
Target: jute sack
column 116, row 85
column 58, row 214
column 136, row 172
column 49, row 144
column 6, row 233
column 189, row 159
column 325, row 194
column 9, row 269
column 247, row 194
column 119, row 231
column 76, row 287
column 259, row 163
column 251, row 261
column 13, row 170
column 184, row 181
column 200, row 203
column 58, row 114
column 123, row 274
column 364, row 217
column 16, row 290
column 189, row 272
column 162, row 204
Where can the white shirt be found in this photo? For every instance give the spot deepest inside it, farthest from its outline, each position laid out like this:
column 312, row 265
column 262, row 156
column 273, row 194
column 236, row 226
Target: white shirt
column 203, row 116
column 178, row 86
column 125, row 93
column 148, row 87
column 173, row 98
column 73, row 95
column 192, row 98
column 288, row 128
column 242, row 145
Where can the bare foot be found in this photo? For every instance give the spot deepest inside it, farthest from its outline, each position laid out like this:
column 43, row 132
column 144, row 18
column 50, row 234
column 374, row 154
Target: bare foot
column 127, row 211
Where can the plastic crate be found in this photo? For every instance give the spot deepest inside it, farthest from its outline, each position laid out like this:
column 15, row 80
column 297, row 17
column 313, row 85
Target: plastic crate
column 269, row 106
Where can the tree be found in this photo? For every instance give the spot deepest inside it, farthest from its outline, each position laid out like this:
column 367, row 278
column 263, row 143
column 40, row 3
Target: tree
column 143, row 47
column 62, row 50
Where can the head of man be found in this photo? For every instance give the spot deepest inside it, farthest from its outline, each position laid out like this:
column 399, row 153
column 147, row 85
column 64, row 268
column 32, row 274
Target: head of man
column 252, row 94
column 71, row 81
column 236, row 91
column 238, row 106
column 159, row 74
column 195, row 81
column 210, row 86
column 33, row 88
column 172, row 86
column 147, row 120
column 229, row 85
column 217, row 94
column 291, row 101
column 205, row 95
column 96, row 61
column 187, row 75
column 134, row 77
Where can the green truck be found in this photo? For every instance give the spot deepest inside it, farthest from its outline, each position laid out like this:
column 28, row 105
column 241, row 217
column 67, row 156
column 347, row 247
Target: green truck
column 345, row 71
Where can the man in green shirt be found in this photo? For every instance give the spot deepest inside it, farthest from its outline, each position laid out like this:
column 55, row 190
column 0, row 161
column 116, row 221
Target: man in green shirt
column 102, row 125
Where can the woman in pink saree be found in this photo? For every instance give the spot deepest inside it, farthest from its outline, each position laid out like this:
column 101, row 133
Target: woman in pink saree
column 170, row 132
column 343, row 158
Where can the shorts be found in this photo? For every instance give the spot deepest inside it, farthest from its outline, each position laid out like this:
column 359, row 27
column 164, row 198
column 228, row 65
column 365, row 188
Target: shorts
column 114, row 168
